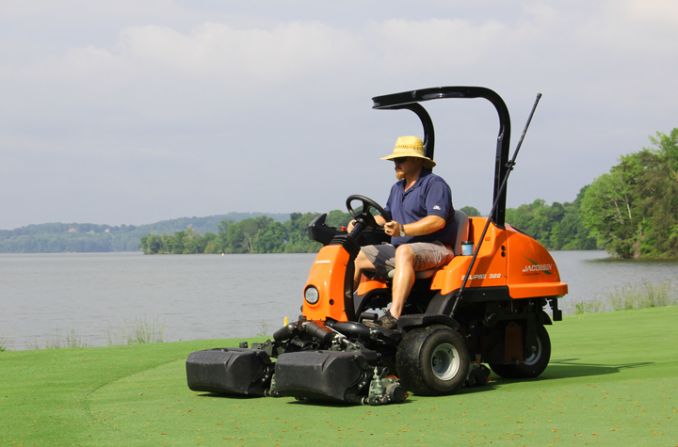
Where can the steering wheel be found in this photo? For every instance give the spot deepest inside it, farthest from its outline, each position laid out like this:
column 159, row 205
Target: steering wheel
column 367, row 205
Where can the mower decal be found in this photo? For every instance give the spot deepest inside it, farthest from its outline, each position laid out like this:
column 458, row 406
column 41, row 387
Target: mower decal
column 483, row 276
column 534, row 267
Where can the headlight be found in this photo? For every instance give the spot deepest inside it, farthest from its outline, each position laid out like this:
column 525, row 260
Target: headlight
column 311, row 295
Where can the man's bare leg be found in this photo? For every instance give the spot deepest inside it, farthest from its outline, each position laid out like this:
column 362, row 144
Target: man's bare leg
column 362, row 263
column 403, row 279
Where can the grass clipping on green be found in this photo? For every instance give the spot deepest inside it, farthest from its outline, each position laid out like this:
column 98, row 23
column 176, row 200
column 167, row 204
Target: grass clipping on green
column 612, row 380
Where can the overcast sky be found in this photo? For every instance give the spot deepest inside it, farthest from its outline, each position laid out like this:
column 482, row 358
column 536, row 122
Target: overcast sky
column 130, row 112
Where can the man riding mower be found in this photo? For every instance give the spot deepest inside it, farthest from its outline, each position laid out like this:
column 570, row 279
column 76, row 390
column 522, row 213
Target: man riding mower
column 486, row 307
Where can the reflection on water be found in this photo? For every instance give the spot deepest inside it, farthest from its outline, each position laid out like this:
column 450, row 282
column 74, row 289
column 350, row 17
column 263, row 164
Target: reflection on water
column 97, row 298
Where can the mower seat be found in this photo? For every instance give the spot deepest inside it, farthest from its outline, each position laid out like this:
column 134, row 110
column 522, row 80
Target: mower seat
column 460, row 231
column 461, row 228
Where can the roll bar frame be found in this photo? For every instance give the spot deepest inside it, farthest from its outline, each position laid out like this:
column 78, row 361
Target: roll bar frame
column 411, row 100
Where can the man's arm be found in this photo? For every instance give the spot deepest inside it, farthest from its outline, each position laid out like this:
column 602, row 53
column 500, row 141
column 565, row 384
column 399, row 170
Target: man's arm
column 378, row 219
column 427, row 225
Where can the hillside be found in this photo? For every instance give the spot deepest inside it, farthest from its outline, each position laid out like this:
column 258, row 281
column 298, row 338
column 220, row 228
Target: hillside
column 87, row 237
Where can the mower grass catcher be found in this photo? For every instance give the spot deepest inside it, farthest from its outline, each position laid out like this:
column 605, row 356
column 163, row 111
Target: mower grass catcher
column 483, row 308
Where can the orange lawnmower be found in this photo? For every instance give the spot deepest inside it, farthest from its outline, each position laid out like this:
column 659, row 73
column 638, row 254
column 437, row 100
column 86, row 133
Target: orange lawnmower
column 485, row 306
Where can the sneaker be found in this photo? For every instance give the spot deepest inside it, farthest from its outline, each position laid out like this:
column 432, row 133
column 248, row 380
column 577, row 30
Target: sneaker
column 386, row 321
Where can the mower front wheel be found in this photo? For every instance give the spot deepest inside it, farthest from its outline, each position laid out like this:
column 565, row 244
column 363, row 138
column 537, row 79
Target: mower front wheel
column 432, row 360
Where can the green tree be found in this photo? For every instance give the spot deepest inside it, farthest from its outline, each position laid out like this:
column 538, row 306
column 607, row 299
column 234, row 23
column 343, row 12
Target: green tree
column 152, row 244
column 570, row 233
column 337, row 218
column 558, row 226
column 212, row 244
column 192, row 242
column 632, row 209
column 659, row 197
column 531, row 219
column 270, row 239
column 607, row 212
column 470, row 211
column 297, row 234
column 233, row 237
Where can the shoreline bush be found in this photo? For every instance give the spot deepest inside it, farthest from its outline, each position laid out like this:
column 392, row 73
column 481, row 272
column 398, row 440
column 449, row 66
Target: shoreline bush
column 627, row 297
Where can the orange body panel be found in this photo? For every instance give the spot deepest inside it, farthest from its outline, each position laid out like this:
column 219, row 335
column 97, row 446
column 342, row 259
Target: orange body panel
column 367, row 285
column 506, row 258
column 532, row 272
column 327, row 275
column 490, row 267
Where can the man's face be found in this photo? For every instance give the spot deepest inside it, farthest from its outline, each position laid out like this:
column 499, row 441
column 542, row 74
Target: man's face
column 407, row 166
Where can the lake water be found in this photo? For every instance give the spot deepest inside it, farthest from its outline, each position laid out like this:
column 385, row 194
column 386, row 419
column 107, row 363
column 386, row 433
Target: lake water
column 100, row 299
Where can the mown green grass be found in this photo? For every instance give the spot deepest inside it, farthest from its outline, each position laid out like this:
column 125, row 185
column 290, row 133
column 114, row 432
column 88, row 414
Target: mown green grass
column 613, row 380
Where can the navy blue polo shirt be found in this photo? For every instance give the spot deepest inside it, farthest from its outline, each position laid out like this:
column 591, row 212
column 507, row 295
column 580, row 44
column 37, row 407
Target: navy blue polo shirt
column 430, row 195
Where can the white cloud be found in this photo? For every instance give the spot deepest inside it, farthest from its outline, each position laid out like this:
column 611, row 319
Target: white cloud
column 631, row 28
column 652, row 12
column 180, row 91
column 425, row 45
column 74, row 11
column 274, row 55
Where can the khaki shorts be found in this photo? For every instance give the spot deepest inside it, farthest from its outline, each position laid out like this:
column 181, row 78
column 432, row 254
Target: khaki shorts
column 427, row 255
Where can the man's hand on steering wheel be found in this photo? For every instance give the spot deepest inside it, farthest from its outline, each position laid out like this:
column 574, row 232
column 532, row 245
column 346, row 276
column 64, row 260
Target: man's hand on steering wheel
column 364, row 215
column 378, row 222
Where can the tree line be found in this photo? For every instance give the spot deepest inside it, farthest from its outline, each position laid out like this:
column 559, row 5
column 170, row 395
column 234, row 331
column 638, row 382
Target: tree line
column 558, row 226
column 254, row 235
column 64, row 237
column 631, row 211
column 87, row 237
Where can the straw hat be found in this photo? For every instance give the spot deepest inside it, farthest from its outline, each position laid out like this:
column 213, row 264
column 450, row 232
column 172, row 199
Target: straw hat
column 410, row 146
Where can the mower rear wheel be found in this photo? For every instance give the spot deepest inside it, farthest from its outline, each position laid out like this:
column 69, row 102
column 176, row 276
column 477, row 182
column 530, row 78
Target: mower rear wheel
column 533, row 365
column 432, row 360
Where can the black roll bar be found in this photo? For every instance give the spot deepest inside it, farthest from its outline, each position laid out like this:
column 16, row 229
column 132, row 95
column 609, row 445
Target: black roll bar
column 410, row 100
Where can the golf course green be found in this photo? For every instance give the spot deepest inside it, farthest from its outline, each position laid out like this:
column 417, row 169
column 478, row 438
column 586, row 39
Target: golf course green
column 612, row 380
